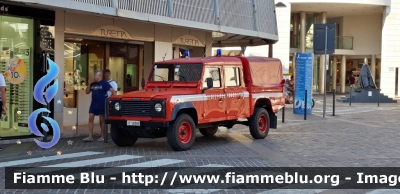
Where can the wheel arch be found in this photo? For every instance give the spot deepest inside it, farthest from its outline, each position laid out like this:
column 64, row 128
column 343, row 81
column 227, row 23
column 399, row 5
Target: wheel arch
column 185, row 108
column 266, row 103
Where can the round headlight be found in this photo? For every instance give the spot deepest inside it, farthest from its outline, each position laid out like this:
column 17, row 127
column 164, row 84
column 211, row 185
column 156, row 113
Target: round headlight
column 116, row 106
column 158, row 107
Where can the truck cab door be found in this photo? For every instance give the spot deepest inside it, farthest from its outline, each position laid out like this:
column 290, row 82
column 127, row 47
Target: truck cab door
column 214, row 106
column 234, row 90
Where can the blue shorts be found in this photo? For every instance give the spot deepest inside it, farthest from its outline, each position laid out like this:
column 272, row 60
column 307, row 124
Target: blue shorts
column 96, row 112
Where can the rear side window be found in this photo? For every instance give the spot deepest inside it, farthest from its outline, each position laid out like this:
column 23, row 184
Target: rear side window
column 232, row 76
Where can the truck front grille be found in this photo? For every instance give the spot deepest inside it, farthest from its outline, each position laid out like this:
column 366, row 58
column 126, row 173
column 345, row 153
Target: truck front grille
column 135, row 108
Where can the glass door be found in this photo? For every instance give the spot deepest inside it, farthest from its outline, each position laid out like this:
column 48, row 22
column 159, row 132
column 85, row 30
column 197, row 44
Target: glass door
column 117, row 68
column 131, row 79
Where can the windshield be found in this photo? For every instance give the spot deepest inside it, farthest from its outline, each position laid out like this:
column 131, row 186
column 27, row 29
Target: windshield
column 177, row 72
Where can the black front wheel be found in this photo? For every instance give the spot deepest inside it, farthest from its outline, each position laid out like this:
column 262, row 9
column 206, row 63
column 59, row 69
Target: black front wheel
column 122, row 138
column 313, row 103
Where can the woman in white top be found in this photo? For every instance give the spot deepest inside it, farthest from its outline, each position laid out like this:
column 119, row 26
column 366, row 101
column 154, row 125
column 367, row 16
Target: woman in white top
column 107, row 77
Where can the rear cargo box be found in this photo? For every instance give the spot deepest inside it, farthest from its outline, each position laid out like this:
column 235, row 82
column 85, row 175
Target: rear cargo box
column 262, row 71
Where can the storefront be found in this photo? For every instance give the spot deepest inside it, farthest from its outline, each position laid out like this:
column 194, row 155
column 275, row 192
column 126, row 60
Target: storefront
column 127, row 48
column 84, row 56
column 19, row 44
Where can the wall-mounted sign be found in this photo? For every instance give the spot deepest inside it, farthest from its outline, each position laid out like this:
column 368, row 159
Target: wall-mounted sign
column 188, row 40
column 112, row 32
column 3, row 9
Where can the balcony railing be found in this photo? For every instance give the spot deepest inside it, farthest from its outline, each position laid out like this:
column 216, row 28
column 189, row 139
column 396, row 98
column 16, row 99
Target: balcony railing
column 344, row 42
column 253, row 15
column 341, row 42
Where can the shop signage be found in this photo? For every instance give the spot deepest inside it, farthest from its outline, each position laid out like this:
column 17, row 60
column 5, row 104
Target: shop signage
column 15, row 71
column 3, row 9
column 188, row 40
column 303, row 82
column 112, row 32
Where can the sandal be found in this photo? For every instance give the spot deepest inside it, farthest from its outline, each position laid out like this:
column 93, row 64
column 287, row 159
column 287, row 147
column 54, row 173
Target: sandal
column 100, row 140
column 87, row 140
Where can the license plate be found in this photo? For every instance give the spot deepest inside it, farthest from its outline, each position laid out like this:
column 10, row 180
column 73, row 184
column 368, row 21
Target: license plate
column 133, row 123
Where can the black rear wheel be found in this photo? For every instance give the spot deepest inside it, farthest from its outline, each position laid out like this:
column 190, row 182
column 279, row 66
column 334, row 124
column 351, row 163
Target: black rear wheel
column 210, row 131
column 259, row 123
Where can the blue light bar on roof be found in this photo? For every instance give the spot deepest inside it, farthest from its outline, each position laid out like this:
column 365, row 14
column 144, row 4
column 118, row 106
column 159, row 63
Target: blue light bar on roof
column 186, row 54
column 219, row 52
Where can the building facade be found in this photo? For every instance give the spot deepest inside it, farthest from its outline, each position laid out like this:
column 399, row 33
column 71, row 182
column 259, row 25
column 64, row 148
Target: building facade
column 124, row 36
column 365, row 33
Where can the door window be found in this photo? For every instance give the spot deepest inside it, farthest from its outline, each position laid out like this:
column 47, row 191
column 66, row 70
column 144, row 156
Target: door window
column 215, row 74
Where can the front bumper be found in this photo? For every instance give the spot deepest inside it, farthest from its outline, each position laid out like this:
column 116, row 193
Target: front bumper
column 142, row 123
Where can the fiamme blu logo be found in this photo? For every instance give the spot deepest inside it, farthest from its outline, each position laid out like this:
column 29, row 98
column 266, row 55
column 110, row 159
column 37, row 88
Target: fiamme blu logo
column 44, row 94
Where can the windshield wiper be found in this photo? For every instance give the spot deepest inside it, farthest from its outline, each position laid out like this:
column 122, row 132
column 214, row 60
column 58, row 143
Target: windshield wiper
column 163, row 78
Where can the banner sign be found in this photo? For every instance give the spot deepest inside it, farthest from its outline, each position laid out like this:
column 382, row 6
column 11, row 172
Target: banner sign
column 303, row 82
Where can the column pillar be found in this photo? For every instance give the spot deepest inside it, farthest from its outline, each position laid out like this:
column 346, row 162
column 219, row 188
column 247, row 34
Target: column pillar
column 209, row 39
column 373, row 66
column 270, row 50
column 295, row 30
column 302, row 31
column 343, row 75
column 322, row 68
column 59, row 60
column 148, row 59
column 334, row 72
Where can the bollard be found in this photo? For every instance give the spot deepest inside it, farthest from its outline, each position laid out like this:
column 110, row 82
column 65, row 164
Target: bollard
column 351, row 89
column 305, row 105
column 283, row 114
column 379, row 94
column 105, row 118
column 333, row 104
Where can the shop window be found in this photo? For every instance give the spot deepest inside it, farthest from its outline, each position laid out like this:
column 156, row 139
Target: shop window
column 232, row 76
column 96, row 59
column 16, row 63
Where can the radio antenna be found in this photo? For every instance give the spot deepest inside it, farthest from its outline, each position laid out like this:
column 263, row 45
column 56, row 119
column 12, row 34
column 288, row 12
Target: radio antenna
column 208, row 48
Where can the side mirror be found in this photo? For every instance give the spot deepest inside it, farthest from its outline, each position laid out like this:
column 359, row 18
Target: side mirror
column 210, row 82
column 143, row 82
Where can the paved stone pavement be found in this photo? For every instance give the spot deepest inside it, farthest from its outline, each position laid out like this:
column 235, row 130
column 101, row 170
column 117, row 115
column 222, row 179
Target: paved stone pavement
column 361, row 135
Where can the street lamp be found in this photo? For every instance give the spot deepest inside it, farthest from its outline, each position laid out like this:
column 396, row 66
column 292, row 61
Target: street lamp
column 218, row 34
